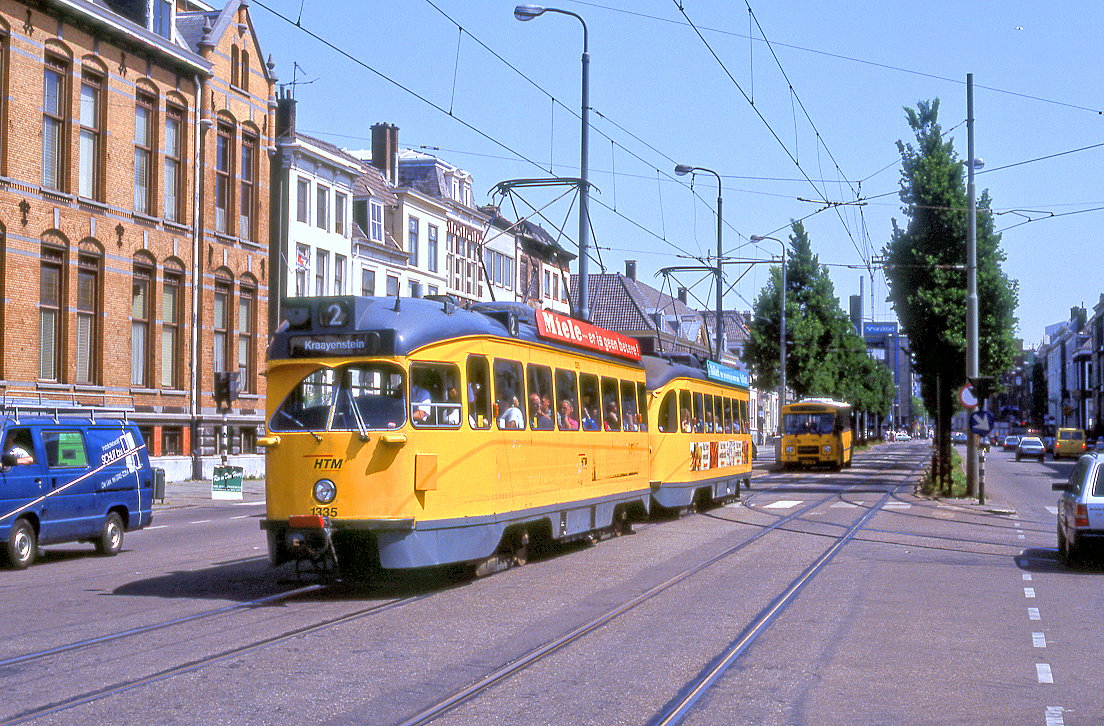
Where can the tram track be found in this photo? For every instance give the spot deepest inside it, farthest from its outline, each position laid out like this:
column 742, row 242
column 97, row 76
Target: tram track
column 483, row 685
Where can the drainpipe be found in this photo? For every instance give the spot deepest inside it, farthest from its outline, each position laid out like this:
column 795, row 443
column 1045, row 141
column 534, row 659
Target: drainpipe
column 198, row 180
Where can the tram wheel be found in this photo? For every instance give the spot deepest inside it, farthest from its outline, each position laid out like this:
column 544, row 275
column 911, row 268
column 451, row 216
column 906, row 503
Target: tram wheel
column 521, row 548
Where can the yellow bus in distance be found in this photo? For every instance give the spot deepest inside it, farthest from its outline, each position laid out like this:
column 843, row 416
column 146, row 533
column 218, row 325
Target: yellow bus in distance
column 816, row 431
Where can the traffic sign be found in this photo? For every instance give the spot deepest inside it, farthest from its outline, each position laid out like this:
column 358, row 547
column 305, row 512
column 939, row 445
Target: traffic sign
column 982, row 423
column 966, row 396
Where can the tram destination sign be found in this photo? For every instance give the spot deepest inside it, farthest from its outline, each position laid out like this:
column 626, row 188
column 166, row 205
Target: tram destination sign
column 334, row 345
column 575, row 332
column 726, row 374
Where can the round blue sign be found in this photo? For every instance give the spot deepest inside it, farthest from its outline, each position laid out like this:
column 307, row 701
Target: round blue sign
column 982, row 423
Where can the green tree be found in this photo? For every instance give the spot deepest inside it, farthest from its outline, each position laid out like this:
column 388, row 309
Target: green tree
column 824, row 355
column 927, row 285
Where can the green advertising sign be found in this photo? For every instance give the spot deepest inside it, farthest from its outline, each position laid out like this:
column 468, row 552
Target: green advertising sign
column 227, row 482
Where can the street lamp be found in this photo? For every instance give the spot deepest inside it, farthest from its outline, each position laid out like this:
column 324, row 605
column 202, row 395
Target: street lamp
column 682, row 170
column 528, row 12
column 781, row 330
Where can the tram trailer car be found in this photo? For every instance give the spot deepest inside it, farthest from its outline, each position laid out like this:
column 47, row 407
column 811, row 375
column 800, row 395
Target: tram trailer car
column 407, row 432
column 700, row 438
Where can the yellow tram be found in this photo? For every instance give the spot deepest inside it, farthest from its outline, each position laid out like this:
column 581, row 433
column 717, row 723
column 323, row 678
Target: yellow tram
column 816, row 431
column 408, row 432
column 411, row 432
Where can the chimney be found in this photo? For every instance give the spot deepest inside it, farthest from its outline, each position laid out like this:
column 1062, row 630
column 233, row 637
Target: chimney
column 285, row 116
column 682, row 296
column 385, row 151
column 630, row 269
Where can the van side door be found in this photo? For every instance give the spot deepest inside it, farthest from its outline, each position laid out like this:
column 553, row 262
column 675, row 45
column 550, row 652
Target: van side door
column 70, row 483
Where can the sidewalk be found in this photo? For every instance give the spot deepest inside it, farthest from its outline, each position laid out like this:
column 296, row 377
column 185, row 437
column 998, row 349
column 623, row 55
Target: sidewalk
column 198, row 492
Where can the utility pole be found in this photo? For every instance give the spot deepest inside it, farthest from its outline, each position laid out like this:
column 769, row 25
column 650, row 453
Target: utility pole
column 971, row 283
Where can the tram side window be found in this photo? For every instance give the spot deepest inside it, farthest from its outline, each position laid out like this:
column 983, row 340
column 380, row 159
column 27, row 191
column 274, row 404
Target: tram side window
column 642, row 407
column 726, row 405
column 591, row 415
column 509, row 390
column 745, row 421
column 540, row 398
column 686, row 418
column 668, row 413
column 567, row 398
column 434, row 395
column 479, row 391
column 611, row 408
column 628, row 405
column 699, row 414
column 709, row 421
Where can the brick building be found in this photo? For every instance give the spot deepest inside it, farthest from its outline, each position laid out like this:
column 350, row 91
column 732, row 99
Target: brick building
column 134, row 215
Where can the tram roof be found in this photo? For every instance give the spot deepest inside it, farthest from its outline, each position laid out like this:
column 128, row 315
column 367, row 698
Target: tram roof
column 399, row 326
column 660, row 371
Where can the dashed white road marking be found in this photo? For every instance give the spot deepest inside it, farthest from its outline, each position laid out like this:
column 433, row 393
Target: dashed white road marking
column 1029, row 592
column 242, row 516
column 1052, row 510
column 783, row 504
column 1033, row 614
column 247, row 504
column 1042, row 671
column 157, row 526
column 200, row 521
column 1054, row 716
column 898, row 505
column 1038, row 640
column 843, row 505
column 1027, row 576
column 1019, row 536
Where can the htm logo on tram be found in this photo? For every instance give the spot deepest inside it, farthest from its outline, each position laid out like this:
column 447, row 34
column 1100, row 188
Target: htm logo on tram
column 328, row 462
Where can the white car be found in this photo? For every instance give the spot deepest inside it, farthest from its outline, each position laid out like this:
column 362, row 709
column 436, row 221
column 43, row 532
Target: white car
column 903, row 436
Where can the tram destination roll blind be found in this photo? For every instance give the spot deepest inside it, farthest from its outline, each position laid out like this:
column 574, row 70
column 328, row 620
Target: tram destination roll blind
column 338, row 345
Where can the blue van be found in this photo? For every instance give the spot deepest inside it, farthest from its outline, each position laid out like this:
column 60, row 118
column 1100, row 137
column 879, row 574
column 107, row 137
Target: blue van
column 70, row 478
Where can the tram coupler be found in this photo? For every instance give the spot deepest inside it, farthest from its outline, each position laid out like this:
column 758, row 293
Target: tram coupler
column 309, row 538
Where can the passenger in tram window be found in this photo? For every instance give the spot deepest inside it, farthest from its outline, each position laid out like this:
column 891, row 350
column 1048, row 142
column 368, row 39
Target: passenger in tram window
column 708, row 422
column 539, row 418
column 687, row 424
column 512, row 417
column 450, row 414
column 420, row 394
column 568, row 422
column 612, row 420
column 590, row 418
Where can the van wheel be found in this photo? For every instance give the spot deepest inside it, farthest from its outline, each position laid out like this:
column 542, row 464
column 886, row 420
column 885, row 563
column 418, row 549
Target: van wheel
column 22, row 545
column 111, row 539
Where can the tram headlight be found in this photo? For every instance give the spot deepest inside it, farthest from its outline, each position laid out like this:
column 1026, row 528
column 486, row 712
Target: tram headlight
column 827, row 448
column 325, row 491
column 789, row 449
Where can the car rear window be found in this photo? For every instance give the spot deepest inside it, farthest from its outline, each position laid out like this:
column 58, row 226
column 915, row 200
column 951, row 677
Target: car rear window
column 1098, row 483
column 1068, row 435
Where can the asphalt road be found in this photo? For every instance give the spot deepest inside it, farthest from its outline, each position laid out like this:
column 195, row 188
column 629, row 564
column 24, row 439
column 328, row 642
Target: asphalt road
column 820, row 598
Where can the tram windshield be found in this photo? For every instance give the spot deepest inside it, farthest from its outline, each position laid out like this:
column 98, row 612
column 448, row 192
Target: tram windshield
column 809, row 423
column 353, row 397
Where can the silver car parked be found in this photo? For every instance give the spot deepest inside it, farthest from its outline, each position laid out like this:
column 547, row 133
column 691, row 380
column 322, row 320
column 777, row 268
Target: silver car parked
column 1081, row 507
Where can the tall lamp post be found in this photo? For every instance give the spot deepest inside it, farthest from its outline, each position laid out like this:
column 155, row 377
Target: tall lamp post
column 528, row 12
column 781, row 330
column 682, row 170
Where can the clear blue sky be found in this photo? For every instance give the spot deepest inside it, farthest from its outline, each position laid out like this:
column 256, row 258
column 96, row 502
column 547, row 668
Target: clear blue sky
column 660, row 97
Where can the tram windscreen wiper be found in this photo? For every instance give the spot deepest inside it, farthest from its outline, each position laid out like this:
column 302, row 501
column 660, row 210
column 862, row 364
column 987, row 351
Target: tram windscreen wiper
column 357, row 416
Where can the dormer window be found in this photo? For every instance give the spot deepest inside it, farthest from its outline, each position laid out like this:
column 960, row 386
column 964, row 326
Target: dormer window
column 162, row 16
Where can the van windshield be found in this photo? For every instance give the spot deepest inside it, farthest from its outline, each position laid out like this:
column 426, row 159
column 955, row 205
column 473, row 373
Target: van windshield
column 348, row 398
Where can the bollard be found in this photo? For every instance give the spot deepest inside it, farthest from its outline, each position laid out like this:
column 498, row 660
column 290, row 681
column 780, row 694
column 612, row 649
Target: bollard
column 981, row 476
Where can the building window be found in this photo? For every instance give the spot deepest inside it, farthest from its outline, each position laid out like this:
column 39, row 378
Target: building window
column 54, row 113
column 321, row 272
column 221, row 325
column 376, row 223
column 415, row 288
column 5, row 42
column 246, row 318
column 244, row 76
column 91, row 135
column 302, row 265
column 88, row 309
column 547, row 284
column 368, row 282
column 50, row 294
column 171, row 309
column 174, row 163
column 234, row 63
column 223, row 176
column 340, row 201
column 163, row 18
column 171, row 442
column 143, row 153
column 339, row 274
column 302, row 201
column 392, row 286
column 140, row 294
column 322, row 207
column 431, row 248
column 412, row 240
column 247, row 200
